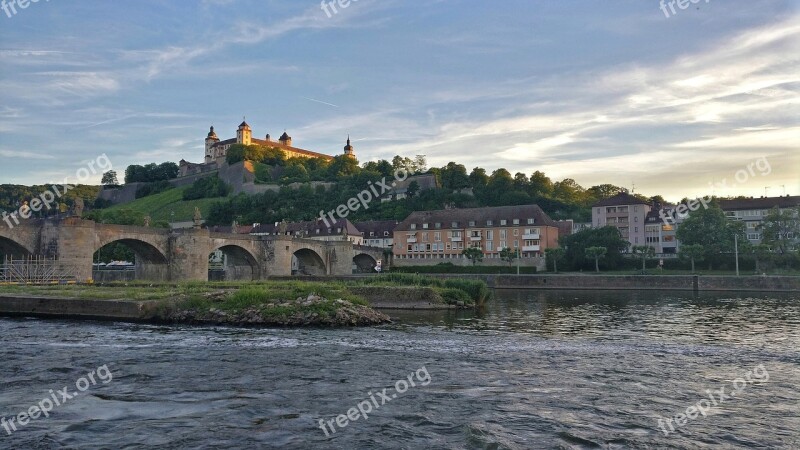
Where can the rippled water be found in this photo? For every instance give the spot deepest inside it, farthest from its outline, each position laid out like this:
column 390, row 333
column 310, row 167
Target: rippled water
column 552, row 369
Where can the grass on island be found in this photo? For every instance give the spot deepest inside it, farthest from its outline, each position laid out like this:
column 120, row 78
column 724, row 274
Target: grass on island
column 162, row 206
column 283, row 297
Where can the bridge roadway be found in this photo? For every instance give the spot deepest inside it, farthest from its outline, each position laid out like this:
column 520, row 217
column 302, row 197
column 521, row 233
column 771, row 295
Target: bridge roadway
column 183, row 254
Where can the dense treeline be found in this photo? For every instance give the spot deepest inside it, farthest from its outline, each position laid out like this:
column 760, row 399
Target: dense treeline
column 459, row 189
column 151, row 172
column 209, row 187
column 13, row 196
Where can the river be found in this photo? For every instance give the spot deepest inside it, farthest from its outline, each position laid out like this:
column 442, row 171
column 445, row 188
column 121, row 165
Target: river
column 534, row 369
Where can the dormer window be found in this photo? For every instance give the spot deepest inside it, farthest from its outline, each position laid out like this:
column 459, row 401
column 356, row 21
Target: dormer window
column 424, row 226
column 454, row 225
column 530, row 221
column 413, row 226
column 489, row 223
column 516, row 221
column 472, row 223
column 503, row 222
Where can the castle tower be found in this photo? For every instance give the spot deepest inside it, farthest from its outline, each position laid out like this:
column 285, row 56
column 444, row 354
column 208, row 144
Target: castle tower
column 211, row 139
column 286, row 139
column 349, row 151
column 244, row 134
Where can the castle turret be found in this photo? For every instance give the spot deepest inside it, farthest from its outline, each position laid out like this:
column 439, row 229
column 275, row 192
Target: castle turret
column 349, row 151
column 244, row 134
column 286, row 139
column 211, row 139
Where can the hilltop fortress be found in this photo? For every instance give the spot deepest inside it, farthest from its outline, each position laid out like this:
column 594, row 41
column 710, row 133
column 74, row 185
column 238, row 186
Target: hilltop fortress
column 216, row 150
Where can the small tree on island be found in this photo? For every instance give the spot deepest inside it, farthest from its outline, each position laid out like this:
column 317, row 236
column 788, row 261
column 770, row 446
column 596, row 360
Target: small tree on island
column 506, row 254
column 554, row 254
column 474, row 254
column 694, row 252
column 596, row 253
column 645, row 251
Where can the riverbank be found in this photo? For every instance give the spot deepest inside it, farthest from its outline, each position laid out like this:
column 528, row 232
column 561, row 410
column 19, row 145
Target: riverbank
column 591, row 281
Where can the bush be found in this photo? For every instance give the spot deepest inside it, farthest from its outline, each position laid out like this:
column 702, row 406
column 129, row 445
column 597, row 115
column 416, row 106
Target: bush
column 452, row 296
column 153, row 188
column 475, row 289
column 208, row 187
column 451, row 268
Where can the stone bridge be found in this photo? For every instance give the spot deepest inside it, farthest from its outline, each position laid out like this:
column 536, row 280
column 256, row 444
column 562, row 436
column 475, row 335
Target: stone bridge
column 181, row 255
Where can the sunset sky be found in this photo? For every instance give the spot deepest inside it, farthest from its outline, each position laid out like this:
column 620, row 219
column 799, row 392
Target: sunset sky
column 602, row 92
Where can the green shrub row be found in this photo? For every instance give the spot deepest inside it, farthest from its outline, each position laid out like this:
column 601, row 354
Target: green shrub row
column 451, row 268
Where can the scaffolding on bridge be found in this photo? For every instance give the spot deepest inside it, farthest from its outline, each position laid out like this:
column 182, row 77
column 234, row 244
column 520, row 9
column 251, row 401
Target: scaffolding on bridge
column 37, row 270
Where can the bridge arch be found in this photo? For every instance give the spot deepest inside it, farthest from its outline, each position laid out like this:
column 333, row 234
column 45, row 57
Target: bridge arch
column 233, row 262
column 364, row 263
column 306, row 261
column 150, row 263
column 11, row 248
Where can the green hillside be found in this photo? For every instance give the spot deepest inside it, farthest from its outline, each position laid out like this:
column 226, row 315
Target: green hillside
column 162, row 206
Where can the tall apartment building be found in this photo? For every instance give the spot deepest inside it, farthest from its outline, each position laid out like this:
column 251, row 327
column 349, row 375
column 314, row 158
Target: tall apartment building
column 625, row 212
column 444, row 234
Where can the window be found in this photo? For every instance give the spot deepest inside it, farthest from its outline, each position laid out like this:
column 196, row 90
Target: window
column 413, row 226
column 409, row 247
column 489, row 223
column 385, row 233
column 489, row 246
column 503, row 222
column 424, row 237
column 489, row 234
column 503, row 234
column 437, row 236
column 371, row 234
column 472, row 223
column 475, row 233
column 447, row 245
column 503, row 244
column 516, row 231
column 515, row 221
column 635, row 209
column 530, row 221
column 516, row 244
column 635, row 229
column 636, row 218
column 424, row 226
column 437, row 225
column 454, row 225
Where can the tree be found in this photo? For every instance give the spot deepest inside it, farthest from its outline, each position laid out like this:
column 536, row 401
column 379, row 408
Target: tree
column 478, row 178
column 596, row 253
column 454, row 176
column 554, row 253
column 604, row 191
column 412, row 189
column 474, row 254
column 693, row 252
column 710, row 228
column 645, row 251
column 761, row 253
column 540, row 184
column 780, row 228
column 575, row 246
column 110, row 178
column 506, row 254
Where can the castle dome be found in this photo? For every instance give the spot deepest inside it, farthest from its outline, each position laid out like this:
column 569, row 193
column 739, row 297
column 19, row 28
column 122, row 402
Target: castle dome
column 212, row 134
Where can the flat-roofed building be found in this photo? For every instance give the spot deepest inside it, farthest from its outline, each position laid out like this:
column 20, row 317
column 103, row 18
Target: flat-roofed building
column 625, row 212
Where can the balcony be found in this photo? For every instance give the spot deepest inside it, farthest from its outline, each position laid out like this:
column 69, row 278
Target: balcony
column 474, row 238
column 531, row 237
column 456, row 238
column 411, row 240
column 531, row 248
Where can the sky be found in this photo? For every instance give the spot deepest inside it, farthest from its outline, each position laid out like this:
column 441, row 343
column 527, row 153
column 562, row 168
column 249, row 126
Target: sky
column 701, row 101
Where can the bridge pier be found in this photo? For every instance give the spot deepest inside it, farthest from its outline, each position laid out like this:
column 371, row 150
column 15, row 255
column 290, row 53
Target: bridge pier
column 188, row 255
